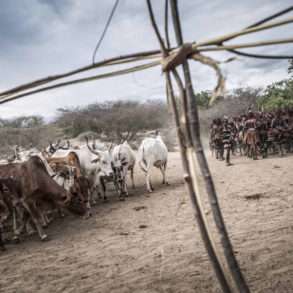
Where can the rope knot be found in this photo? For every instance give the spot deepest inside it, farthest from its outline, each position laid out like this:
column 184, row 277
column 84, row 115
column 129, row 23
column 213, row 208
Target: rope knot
column 176, row 58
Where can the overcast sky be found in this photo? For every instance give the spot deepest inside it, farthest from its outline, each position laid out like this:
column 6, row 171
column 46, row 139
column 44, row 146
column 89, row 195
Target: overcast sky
column 44, row 37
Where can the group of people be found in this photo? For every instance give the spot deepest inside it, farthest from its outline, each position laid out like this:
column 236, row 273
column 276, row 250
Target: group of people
column 252, row 134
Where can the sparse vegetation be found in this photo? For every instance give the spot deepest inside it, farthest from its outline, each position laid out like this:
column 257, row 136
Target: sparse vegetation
column 117, row 121
column 127, row 120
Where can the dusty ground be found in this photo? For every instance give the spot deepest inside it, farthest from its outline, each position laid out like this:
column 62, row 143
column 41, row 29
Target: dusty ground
column 151, row 244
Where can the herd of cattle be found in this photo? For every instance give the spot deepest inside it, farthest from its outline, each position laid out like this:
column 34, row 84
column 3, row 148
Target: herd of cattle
column 37, row 185
column 253, row 134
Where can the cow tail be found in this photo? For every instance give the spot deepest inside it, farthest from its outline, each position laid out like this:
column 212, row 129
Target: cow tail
column 142, row 161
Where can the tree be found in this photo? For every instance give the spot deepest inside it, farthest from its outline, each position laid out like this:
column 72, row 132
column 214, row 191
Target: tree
column 277, row 95
column 24, row 122
column 118, row 121
column 203, row 99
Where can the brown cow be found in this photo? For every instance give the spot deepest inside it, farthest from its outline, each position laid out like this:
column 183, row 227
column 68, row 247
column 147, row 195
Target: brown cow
column 81, row 186
column 4, row 214
column 71, row 159
column 36, row 186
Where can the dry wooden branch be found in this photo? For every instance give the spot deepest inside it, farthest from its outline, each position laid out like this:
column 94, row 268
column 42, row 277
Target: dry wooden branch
column 220, row 87
column 200, row 216
column 197, row 47
column 203, row 171
column 129, row 58
column 227, row 37
column 260, row 22
column 6, row 98
column 246, row 45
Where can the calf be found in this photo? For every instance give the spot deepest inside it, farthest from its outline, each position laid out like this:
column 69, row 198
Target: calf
column 153, row 153
column 123, row 161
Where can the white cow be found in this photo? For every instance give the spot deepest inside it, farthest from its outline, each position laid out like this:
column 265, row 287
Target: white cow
column 123, row 160
column 95, row 164
column 103, row 171
column 153, row 153
column 52, row 148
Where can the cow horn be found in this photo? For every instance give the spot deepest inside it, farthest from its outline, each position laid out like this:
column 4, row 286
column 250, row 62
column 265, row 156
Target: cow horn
column 110, row 147
column 90, row 149
column 94, row 144
column 56, row 146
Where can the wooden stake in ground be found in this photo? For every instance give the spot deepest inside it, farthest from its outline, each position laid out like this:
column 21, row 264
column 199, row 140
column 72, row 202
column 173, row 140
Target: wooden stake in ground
column 197, row 153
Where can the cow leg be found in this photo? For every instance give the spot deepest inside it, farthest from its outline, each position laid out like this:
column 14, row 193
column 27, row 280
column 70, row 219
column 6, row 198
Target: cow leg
column 88, row 208
column 18, row 212
column 119, row 189
column 43, row 217
column 14, row 222
column 148, row 179
column 124, row 181
column 88, row 204
column 163, row 171
column 25, row 222
column 2, row 247
column 29, row 206
column 125, row 187
column 4, row 212
column 132, row 177
column 281, row 150
column 94, row 195
column 102, row 186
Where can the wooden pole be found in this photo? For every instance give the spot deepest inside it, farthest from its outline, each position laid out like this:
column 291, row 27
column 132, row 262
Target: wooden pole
column 199, row 213
column 202, row 166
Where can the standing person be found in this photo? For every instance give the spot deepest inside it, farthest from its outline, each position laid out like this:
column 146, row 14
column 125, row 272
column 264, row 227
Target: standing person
column 216, row 143
column 227, row 138
column 251, row 138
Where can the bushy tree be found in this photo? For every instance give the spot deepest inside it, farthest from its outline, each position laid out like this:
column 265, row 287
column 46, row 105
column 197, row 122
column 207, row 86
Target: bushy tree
column 277, row 95
column 203, row 99
column 23, row 122
column 117, row 120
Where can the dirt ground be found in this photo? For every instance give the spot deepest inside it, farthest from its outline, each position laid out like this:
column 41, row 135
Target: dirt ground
column 151, row 243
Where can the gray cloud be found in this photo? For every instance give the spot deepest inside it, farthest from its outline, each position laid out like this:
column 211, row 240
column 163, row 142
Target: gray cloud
column 43, row 37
